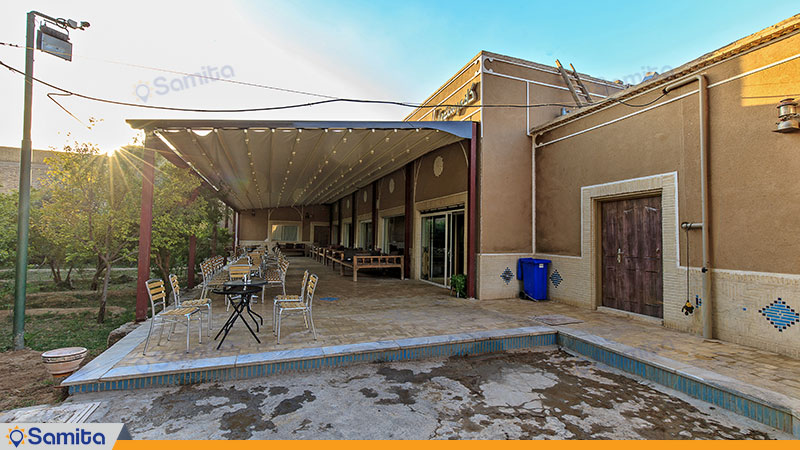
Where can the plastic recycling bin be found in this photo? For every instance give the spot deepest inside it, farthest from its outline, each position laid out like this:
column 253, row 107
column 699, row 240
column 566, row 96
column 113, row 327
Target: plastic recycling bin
column 533, row 273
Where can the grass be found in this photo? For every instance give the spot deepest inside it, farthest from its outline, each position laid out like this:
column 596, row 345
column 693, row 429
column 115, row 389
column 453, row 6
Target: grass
column 68, row 329
column 48, row 331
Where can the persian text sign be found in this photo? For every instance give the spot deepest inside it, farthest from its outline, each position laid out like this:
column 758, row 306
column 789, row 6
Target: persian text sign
column 469, row 98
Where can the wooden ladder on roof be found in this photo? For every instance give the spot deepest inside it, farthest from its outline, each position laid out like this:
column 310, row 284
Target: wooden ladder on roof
column 571, row 79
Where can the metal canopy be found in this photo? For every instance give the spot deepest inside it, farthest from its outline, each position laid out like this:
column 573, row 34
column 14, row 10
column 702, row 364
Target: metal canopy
column 264, row 164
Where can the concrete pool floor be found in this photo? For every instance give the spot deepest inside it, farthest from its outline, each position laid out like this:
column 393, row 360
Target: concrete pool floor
column 515, row 395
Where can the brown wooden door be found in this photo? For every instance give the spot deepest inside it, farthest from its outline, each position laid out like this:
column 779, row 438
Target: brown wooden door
column 631, row 255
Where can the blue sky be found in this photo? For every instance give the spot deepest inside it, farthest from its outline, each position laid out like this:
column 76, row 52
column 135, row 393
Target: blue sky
column 425, row 42
column 396, row 50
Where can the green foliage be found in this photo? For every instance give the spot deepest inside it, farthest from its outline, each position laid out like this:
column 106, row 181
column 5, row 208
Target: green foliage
column 89, row 208
column 8, row 228
column 458, row 283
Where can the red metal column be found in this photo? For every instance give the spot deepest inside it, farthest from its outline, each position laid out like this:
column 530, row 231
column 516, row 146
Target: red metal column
column 145, row 230
column 341, row 228
column 192, row 250
column 409, row 218
column 374, row 215
column 472, row 210
column 354, row 219
column 190, row 263
column 330, row 224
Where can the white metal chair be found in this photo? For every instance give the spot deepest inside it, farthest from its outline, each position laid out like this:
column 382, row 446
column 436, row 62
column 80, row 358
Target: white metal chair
column 288, row 298
column 303, row 306
column 203, row 304
column 237, row 272
column 158, row 296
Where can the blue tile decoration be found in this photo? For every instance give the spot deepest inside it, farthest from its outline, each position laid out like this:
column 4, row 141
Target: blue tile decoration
column 555, row 278
column 730, row 400
column 507, row 275
column 462, row 345
column 780, row 315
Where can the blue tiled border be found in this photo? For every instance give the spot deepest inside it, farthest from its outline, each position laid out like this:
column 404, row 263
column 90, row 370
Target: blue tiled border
column 757, row 404
column 776, row 416
column 403, row 350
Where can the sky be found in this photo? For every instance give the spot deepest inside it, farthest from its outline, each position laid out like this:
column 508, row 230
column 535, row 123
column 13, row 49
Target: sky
column 376, row 49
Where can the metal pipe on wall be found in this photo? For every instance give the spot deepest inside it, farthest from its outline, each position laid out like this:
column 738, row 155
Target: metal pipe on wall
column 707, row 307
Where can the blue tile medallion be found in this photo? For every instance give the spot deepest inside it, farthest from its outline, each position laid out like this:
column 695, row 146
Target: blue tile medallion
column 780, row 315
column 555, row 278
column 507, row 275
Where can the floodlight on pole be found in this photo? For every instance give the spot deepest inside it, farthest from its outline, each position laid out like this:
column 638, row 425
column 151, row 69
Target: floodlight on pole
column 56, row 42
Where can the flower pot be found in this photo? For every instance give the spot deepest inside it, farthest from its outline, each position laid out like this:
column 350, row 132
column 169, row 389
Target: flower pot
column 63, row 361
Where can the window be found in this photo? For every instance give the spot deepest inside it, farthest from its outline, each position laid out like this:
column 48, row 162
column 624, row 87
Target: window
column 284, row 233
column 394, row 235
column 346, row 235
column 365, row 234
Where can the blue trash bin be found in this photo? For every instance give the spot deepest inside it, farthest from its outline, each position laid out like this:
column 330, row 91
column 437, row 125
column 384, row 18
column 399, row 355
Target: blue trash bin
column 533, row 273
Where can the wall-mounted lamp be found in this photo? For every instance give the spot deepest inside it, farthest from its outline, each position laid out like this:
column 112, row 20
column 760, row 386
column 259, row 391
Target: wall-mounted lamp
column 788, row 119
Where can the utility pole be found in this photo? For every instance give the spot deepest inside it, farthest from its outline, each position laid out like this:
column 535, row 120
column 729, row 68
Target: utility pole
column 56, row 43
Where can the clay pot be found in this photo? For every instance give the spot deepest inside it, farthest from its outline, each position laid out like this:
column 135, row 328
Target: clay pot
column 63, row 361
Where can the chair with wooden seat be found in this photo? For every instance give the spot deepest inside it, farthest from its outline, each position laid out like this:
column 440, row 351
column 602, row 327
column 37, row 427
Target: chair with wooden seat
column 237, row 272
column 158, row 296
column 277, row 276
column 203, row 304
column 288, row 298
column 303, row 306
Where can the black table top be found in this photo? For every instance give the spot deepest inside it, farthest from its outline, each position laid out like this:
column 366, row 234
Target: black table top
column 238, row 290
column 250, row 282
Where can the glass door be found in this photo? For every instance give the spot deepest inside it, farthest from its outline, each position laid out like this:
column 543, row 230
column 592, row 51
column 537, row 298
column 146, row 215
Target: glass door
column 442, row 246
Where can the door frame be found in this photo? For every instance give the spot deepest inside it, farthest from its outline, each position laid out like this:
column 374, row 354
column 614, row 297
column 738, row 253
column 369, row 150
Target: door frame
column 597, row 240
column 447, row 213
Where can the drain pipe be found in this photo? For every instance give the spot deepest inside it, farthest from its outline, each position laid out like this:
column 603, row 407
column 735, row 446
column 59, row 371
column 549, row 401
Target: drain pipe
column 704, row 225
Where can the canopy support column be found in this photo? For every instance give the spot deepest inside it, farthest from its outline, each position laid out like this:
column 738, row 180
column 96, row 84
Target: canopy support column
column 375, row 215
column 354, row 218
column 472, row 209
column 409, row 218
column 145, row 227
column 330, row 224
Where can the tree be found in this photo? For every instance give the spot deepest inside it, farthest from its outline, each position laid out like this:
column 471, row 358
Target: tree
column 8, row 228
column 91, row 207
column 178, row 212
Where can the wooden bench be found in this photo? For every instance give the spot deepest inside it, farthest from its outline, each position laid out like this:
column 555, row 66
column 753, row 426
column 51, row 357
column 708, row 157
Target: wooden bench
column 371, row 262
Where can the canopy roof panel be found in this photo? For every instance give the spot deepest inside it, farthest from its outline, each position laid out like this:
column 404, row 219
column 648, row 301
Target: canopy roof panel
column 264, row 164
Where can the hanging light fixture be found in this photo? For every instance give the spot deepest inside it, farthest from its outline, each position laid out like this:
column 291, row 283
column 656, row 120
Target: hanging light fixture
column 788, row 119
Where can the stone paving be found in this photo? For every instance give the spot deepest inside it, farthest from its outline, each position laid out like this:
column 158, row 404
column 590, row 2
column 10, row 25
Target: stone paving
column 382, row 308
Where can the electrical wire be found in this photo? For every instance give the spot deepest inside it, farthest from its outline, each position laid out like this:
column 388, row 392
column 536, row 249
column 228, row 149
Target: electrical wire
column 68, row 92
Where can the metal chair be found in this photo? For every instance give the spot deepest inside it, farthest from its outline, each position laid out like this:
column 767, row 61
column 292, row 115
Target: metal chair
column 277, row 276
column 303, row 306
column 288, row 298
column 237, row 272
column 203, row 304
column 158, row 296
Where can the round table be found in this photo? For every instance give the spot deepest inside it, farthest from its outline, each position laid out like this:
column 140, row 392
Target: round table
column 244, row 292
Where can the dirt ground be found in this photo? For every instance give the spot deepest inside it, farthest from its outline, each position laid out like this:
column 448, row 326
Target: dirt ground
column 516, row 395
column 24, row 380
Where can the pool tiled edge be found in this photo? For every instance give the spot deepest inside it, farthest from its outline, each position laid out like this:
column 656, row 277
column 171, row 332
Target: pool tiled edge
column 764, row 406
column 767, row 407
column 275, row 362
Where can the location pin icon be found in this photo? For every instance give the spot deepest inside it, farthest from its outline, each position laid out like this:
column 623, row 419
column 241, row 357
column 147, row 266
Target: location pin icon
column 16, row 436
column 143, row 92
